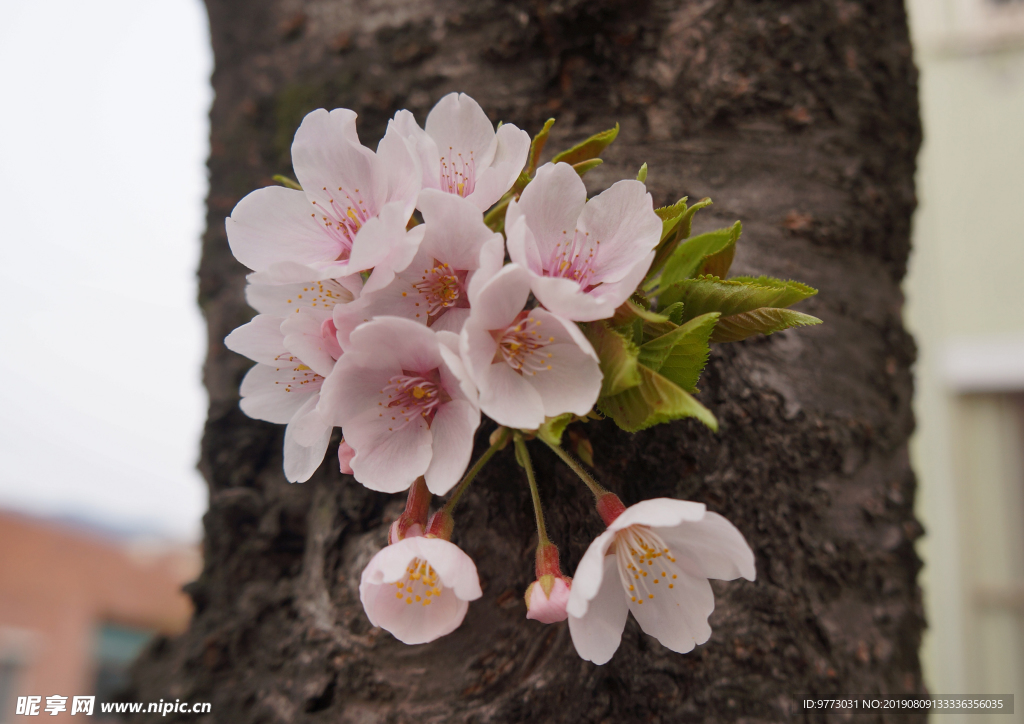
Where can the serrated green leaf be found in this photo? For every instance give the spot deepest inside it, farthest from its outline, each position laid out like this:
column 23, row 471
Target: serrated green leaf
column 287, row 182
column 732, row 296
column 795, row 291
column 674, row 312
column 591, row 148
column 718, row 265
column 641, row 175
column 688, row 257
column 537, row 146
column 616, row 354
column 668, row 213
column 629, row 311
column 655, row 400
column 554, row 427
column 582, row 167
column 677, row 221
column 759, row 321
column 680, row 355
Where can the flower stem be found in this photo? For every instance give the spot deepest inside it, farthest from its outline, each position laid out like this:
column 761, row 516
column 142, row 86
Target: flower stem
column 524, row 458
column 499, row 441
column 577, row 467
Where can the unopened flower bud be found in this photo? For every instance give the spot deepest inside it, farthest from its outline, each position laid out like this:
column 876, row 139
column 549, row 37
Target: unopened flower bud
column 547, row 597
column 345, row 455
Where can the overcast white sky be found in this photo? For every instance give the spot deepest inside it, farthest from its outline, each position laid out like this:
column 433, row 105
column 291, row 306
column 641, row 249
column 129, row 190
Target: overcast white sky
column 103, row 140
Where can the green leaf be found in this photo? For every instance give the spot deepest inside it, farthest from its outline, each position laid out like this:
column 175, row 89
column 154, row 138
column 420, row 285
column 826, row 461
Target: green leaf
column 668, row 213
column 285, row 181
column 795, row 291
column 655, row 400
column 553, row 427
column 591, row 148
column 682, row 223
column 537, row 145
column 629, row 312
column 641, row 175
column 676, row 223
column 674, row 312
column 688, row 257
column 680, row 355
column 616, row 354
column 733, row 296
column 759, row 321
column 583, row 166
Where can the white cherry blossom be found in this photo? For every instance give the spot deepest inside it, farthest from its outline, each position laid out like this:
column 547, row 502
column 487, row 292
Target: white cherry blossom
column 432, row 290
column 405, row 404
column 461, row 154
column 350, row 216
column 526, row 364
column 295, row 346
column 419, row 588
column 654, row 560
column 585, row 258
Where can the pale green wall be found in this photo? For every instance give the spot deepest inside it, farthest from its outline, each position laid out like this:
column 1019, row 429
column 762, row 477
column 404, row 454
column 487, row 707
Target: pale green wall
column 966, row 280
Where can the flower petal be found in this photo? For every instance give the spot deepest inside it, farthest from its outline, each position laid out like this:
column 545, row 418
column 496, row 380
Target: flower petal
column 659, row 513
column 622, row 217
column 284, row 299
column 388, row 460
column 412, row 623
column 459, row 125
column 551, row 205
column 497, row 302
column 275, row 394
column 454, row 229
column 509, row 399
column 565, row 298
column 333, row 168
column 399, row 170
column 352, row 391
column 455, row 569
column 713, row 547
column 452, row 429
column 260, row 340
column 423, row 145
column 275, row 224
column 678, row 618
column 511, row 151
column 589, row 573
column 303, row 338
column 597, row 634
column 384, row 244
column 305, row 443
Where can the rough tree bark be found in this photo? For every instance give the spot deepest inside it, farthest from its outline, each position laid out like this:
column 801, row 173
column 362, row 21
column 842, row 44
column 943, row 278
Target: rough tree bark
column 798, row 118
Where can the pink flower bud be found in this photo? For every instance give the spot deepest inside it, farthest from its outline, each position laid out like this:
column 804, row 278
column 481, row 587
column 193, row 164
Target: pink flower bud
column 547, row 597
column 345, row 455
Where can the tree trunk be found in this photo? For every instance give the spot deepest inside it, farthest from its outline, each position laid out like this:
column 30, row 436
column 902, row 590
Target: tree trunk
column 800, row 119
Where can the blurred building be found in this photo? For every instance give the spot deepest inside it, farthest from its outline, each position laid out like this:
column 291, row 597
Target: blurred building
column 76, row 608
column 965, row 296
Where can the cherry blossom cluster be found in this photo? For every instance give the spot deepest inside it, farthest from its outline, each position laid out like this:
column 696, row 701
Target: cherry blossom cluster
column 404, row 293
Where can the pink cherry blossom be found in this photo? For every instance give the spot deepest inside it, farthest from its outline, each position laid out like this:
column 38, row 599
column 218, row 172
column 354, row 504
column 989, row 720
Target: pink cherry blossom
column 548, row 606
column 585, row 258
column 654, row 560
column 350, row 216
column 419, row 588
column 405, row 403
column 526, row 364
column 432, row 290
column 461, row 154
column 295, row 347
